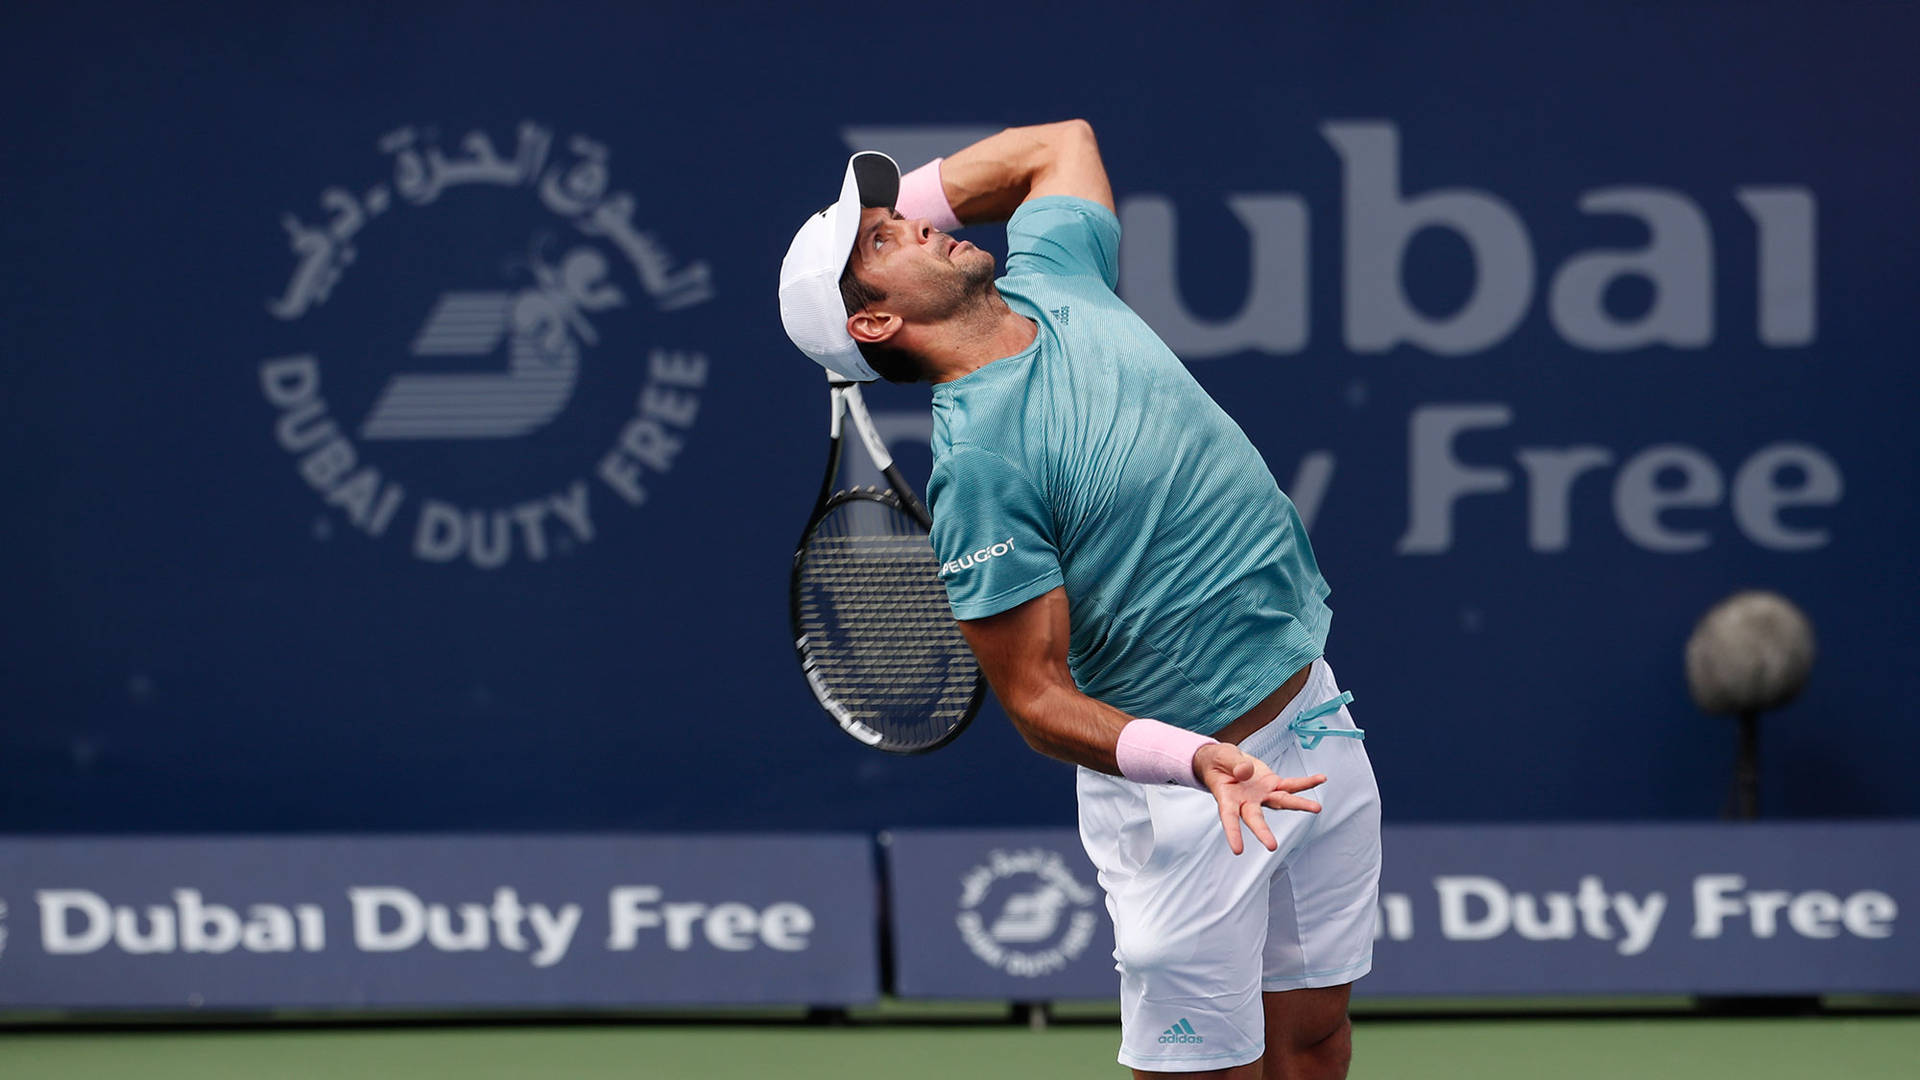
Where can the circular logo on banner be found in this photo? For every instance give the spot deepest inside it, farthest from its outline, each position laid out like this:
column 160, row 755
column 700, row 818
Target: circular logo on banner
column 1024, row 913
column 487, row 358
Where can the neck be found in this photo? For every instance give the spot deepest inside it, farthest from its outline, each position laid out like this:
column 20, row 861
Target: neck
column 976, row 335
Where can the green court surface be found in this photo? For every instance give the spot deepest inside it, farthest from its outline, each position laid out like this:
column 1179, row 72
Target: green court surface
column 1857, row 1048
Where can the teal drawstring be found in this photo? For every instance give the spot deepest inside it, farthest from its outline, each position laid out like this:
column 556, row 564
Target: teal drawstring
column 1310, row 735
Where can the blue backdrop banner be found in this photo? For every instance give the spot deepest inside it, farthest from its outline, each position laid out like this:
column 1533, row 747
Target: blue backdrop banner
column 1764, row 909
column 426, row 922
column 399, row 434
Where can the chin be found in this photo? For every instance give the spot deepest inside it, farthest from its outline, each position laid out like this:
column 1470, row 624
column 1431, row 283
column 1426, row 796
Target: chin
column 978, row 265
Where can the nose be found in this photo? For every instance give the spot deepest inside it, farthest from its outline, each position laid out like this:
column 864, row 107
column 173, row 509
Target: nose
column 922, row 229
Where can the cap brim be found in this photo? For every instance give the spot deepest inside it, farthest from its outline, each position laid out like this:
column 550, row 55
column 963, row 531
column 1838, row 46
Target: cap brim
column 876, row 178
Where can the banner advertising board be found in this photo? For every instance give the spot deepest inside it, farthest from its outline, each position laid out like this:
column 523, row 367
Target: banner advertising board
column 1561, row 909
column 996, row 913
column 413, row 389
column 426, row 922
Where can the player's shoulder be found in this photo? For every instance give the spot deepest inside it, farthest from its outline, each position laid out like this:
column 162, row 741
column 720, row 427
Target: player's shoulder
column 1064, row 236
column 1062, row 209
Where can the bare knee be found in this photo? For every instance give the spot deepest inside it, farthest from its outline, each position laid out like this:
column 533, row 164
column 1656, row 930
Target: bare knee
column 1325, row 1057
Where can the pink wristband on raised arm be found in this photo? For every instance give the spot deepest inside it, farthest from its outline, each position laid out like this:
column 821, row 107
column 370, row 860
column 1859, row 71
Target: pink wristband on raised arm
column 922, row 196
column 1150, row 752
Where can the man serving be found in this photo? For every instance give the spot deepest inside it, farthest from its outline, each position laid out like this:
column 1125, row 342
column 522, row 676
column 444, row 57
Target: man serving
column 1148, row 607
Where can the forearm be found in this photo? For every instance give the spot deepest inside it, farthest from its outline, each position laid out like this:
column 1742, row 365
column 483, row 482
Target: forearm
column 987, row 181
column 1063, row 723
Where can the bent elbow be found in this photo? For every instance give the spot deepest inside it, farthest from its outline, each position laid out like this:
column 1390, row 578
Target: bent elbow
column 1025, row 716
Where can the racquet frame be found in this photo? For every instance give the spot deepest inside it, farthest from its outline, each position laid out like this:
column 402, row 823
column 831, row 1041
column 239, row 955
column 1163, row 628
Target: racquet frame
column 850, row 408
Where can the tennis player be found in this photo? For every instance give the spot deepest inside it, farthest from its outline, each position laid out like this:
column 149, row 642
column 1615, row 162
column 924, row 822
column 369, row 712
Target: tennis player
column 1139, row 592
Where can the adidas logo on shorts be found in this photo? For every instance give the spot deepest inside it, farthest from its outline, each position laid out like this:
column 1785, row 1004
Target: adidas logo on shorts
column 1181, row 1032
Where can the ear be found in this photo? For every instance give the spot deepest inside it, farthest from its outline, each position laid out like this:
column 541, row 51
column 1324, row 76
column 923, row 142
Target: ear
column 870, row 327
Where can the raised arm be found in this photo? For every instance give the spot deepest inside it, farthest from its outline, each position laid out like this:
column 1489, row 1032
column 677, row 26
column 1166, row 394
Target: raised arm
column 1023, row 652
column 987, row 181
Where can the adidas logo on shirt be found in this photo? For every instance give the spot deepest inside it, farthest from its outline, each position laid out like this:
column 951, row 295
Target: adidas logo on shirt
column 1181, row 1032
column 1060, row 314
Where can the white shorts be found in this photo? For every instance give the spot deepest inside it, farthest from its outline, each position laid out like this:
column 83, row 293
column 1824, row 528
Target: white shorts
column 1200, row 932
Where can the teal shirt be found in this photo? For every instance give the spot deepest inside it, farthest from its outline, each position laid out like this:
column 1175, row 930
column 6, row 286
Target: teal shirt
column 1093, row 460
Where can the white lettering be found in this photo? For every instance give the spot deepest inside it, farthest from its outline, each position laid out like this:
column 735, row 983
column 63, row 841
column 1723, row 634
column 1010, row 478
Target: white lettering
column 1309, row 487
column 1550, row 477
column 507, row 915
column 554, row 930
column 57, row 938
column 1456, row 921
column 472, row 935
column 1639, row 499
column 211, row 928
column 1712, row 906
column 1379, row 224
column 729, row 926
column 441, row 534
column 1273, row 317
column 785, row 926
column 1812, row 914
column 1677, row 263
column 1784, row 217
column 680, row 919
column 313, row 927
column 954, row 566
column 571, row 507
column 645, row 441
column 1651, row 485
column 1438, row 478
column 269, row 928
column 1558, row 924
column 626, row 917
column 487, row 538
column 732, row 927
column 1640, row 921
column 290, row 380
column 1869, row 913
column 1758, row 496
column 192, row 925
column 1591, row 899
column 409, row 913
column 1718, row 898
column 159, row 937
column 1394, row 917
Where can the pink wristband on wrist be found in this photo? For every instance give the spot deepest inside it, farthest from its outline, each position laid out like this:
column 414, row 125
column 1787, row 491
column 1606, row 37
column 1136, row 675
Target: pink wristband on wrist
column 922, row 196
column 1150, row 752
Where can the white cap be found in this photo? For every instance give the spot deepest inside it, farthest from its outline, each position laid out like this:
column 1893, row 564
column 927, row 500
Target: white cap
column 810, row 306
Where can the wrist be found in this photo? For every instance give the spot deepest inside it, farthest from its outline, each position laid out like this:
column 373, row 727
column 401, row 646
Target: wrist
column 1152, row 752
column 923, row 195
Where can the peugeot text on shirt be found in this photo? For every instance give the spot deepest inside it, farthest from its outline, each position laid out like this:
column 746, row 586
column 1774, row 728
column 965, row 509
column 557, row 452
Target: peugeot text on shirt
column 954, row 566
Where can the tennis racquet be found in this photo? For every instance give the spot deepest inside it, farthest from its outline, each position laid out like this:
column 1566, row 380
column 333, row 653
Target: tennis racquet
column 875, row 637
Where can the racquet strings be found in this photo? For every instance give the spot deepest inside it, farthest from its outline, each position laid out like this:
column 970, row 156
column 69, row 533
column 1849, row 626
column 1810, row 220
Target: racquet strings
column 877, row 626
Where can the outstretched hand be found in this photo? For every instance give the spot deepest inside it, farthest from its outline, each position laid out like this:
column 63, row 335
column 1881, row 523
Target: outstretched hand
column 1243, row 786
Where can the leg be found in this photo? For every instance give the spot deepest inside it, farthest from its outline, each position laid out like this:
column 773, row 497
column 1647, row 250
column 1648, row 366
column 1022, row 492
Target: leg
column 1322, row 906
column 1189, row 919
column 1308, row 1034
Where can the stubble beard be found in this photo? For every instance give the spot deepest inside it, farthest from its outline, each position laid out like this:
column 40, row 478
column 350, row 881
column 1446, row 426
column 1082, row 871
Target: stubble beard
column 975, row 283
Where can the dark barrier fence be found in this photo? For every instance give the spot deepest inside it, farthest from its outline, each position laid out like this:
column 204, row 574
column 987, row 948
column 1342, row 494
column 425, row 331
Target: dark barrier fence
column 550, row 922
